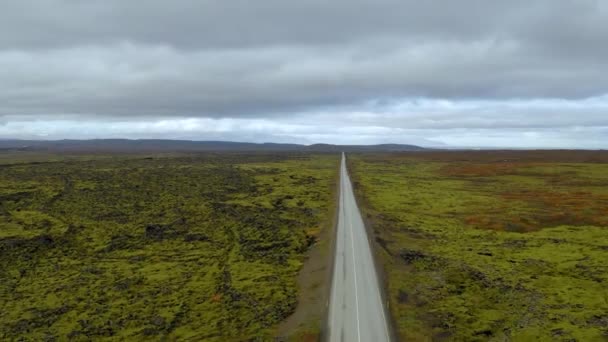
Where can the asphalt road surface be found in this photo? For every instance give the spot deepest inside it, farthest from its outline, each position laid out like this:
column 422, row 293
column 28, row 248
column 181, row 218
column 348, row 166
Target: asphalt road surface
column 356, row 311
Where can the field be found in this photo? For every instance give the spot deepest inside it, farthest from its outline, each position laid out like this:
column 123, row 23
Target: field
column 491, row 246
column 185, row 247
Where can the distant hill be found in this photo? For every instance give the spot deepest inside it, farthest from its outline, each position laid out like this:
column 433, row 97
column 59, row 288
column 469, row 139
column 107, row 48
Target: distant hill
column 364, row 148
column 154, row 145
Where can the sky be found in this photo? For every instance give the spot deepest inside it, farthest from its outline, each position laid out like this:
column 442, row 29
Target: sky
column 467, row 73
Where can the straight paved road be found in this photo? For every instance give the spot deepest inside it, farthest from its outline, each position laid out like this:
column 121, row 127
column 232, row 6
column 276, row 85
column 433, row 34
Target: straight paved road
column 356, row 312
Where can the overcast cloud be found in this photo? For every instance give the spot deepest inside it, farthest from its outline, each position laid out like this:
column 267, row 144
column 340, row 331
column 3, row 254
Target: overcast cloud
column 462, row 73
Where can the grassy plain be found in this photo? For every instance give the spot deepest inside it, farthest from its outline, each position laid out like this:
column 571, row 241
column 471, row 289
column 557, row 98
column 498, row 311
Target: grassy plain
column 491, row 246
column 190, row 247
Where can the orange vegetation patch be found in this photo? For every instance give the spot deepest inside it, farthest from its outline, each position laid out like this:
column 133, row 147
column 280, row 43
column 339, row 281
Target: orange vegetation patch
column 545, row 209
column 308, row 337
column 482, row 170
column 313, row 232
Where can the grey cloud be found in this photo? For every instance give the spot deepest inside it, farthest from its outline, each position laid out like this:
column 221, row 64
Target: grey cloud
column 127, row 79
column 241, row 23
column 283, row 60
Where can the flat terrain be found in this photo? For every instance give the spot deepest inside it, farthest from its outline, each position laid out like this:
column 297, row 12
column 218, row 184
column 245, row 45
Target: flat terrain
column 494, row 245
column 356, row 310
column 190, row 247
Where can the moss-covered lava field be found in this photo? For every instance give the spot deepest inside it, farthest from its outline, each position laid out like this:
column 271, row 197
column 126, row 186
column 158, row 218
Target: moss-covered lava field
column 185, row 247
column 491, row 246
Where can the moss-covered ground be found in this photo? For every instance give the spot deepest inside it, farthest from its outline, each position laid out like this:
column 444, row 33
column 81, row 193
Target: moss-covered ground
column 190, row 247
column 491, row 246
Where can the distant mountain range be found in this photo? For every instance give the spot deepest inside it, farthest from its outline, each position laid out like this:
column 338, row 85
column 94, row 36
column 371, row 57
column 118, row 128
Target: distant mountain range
column 154, row 145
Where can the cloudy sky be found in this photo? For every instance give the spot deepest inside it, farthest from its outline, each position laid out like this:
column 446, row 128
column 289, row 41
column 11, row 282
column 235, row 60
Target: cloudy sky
column 518, row 73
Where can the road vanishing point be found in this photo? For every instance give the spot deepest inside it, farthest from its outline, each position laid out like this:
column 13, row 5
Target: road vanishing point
column 356, row 311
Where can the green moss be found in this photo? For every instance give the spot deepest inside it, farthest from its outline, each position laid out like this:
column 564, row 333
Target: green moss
column 201, row 247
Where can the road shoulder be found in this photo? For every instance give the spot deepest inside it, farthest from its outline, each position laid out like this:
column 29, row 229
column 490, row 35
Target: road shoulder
column 307, row 323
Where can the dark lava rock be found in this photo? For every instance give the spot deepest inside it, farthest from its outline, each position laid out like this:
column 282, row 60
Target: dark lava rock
column 159, row 232
column 402, row 297
column 196, row 237
column 410, row 256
